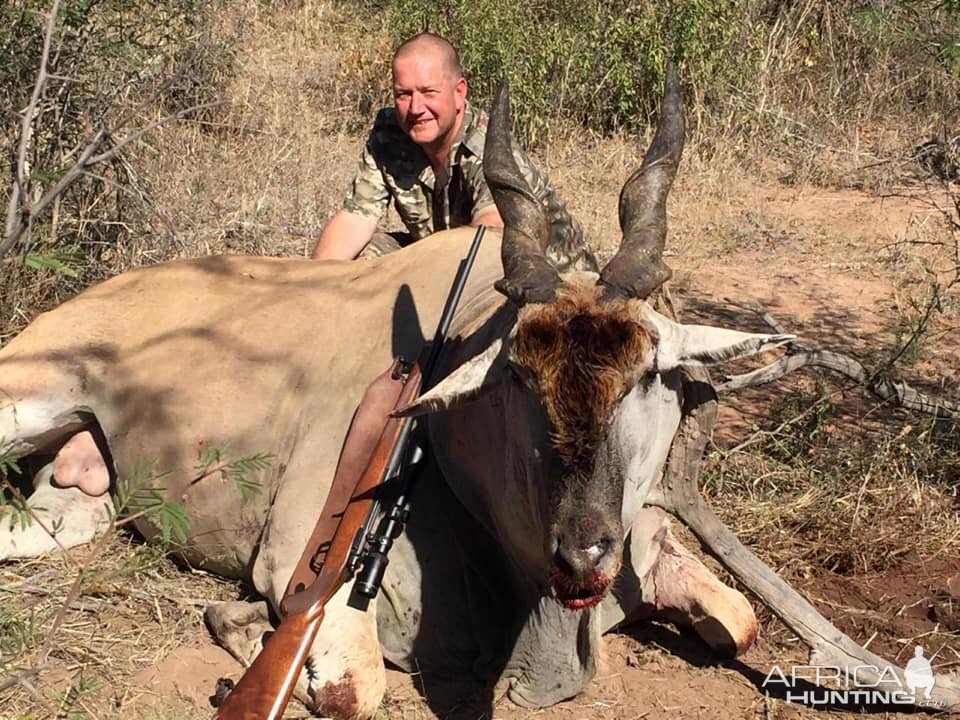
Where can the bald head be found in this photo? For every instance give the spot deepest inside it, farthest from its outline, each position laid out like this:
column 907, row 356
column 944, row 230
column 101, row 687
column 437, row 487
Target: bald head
column 429, row 94
column 429, row 45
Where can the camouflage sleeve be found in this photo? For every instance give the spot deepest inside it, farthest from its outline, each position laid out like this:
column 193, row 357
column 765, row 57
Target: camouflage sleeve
column 567, row 245
column 480, row 191
column 367, row 193
column 536, row 178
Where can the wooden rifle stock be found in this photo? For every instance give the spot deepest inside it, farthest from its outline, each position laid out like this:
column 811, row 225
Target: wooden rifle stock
column 265, row 688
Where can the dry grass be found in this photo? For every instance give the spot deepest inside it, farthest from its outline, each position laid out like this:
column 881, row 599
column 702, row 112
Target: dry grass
column 266, row 173
column 135, row 606
column 841, row 489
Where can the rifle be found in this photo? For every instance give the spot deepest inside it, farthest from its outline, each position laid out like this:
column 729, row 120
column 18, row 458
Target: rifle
column 350, row 511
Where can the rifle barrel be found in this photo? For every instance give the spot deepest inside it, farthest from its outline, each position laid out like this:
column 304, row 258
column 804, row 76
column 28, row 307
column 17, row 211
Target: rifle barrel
column 453, row 299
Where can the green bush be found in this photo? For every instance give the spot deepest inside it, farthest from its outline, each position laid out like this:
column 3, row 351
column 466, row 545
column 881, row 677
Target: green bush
column 114, row 64
column 782, row 76
column 598, row 63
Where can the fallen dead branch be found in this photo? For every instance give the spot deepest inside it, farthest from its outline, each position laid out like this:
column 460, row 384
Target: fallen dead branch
column 679, row 495
column 898, row 393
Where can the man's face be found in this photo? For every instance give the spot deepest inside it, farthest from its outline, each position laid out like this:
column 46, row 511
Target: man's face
column 427, row 99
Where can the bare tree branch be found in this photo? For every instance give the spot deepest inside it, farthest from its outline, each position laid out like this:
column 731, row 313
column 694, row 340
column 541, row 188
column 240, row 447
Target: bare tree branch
column 26, row 131
column 115, row 150
column 22, row 219
column 21, row 212
column 898, row 393
column 932, row 305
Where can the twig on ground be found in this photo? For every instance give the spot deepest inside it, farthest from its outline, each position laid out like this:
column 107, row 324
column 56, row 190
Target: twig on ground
column 770, row 234
column 98, row 547
column 759, row 310
column 898, row 393
column 22, row 677
column 762, row 434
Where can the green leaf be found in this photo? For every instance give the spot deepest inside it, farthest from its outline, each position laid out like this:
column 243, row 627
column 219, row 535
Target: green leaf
column 209, row 456
column 49, row 176
column 8, row 462
column 239, row 470
column 173, row 521
column 50, row 262
column 140, row 492
column 16, row 504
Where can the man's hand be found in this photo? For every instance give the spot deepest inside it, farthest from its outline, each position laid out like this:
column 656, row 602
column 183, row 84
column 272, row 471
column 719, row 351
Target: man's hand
column 344, row 236
column 488, row 216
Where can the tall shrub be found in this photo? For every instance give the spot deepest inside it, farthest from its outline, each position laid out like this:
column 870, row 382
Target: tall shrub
column 599, row 62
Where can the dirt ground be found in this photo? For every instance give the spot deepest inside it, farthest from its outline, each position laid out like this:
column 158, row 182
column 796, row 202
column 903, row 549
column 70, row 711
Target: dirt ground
column 827, row 266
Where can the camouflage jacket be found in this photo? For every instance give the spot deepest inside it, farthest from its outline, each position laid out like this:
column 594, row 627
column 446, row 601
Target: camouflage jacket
column 392, row 166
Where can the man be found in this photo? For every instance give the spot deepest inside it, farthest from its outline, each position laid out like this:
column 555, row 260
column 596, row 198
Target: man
column 425, row 153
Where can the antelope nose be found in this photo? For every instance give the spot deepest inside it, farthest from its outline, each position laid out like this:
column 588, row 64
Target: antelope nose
column 595, row 552
column 579, row 560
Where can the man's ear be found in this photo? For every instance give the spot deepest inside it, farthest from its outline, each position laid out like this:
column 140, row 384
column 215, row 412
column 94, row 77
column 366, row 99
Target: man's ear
column 460, row 90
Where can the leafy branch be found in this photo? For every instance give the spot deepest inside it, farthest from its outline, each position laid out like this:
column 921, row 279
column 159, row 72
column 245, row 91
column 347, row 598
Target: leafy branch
column 8, row 462
column 21, row 513
column 140, row 494
column 238, row 470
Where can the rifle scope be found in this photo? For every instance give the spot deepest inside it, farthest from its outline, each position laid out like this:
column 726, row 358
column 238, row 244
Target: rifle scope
column 377, row 546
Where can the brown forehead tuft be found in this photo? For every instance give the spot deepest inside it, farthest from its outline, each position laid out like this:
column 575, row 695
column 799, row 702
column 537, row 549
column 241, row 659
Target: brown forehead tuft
column 585, row 356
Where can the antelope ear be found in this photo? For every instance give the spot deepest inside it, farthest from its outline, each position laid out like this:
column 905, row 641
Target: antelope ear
column 468, row 382
column 684, row 344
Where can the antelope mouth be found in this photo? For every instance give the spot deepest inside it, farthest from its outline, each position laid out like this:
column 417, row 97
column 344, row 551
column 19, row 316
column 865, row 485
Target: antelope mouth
column 575, row 595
